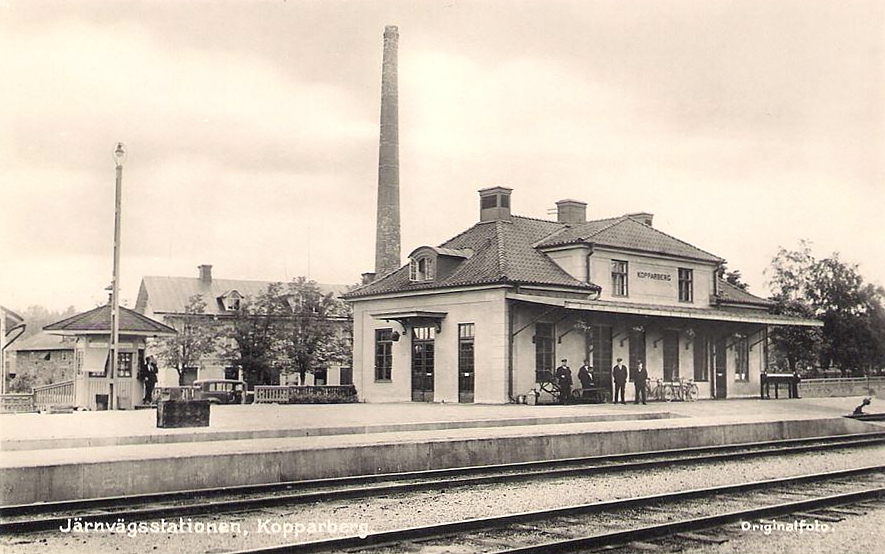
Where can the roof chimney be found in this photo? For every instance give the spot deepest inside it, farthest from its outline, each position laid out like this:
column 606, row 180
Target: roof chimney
column 205, row 273
column 494, row 204
column 387, row 227
column 571, row 211
column 642, row 217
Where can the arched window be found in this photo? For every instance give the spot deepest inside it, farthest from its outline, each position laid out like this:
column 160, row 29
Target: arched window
column 421, row 269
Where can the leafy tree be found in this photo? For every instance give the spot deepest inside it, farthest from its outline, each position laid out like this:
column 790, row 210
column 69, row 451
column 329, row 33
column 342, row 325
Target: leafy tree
column 252, row 342
column 314, row 330
column 853, row 336
column 795, row 347
column 735, row 278
column 196, row 338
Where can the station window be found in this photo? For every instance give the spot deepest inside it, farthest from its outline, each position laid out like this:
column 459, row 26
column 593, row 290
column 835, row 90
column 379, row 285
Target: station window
column 421, row 269
column 742, row 359
column 686, row 285
column 619, row 278
column 383, row 354
column 544, row 353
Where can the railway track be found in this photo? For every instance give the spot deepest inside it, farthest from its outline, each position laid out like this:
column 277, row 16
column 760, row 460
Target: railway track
column 685, row 515
column 47, row 516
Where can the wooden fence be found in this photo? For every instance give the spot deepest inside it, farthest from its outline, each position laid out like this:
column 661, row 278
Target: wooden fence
column 56, row 394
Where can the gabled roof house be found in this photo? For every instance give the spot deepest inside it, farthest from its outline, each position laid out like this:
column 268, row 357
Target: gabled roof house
column 487, row 314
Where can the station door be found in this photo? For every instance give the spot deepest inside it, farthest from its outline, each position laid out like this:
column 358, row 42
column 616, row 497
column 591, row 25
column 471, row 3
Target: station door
column 422, row 363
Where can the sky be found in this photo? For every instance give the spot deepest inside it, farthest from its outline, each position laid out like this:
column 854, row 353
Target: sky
column 252, row 130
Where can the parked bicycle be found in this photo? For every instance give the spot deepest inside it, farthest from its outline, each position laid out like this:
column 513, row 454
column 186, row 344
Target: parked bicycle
column 667, row 391
column 684, row 389
column 660, row 390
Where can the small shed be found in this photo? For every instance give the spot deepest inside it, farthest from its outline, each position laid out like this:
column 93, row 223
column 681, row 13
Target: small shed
column 94, row 386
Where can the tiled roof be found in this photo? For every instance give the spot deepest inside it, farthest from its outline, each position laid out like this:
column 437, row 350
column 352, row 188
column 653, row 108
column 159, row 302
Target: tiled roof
column 170, row 295
column 730, row 294
column 628, row 233
column 44, row 341
column 503, row 252
column 99, row 320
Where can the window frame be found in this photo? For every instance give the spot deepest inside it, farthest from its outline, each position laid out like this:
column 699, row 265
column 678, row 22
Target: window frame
column 686, row 285
column 422, row 269
column 384, row 341
column 620, row 279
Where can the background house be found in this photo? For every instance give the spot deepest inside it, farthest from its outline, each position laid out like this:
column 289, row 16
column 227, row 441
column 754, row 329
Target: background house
column 43, row 359
column 166, row 299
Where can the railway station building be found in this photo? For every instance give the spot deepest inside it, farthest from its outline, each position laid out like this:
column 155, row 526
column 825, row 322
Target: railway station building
column 487, row 315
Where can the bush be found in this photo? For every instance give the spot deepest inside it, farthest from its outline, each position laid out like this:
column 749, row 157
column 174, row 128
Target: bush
column 338, row 396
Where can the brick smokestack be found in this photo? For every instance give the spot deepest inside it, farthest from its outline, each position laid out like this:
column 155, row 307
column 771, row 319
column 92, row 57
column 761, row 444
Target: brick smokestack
column 387, row 228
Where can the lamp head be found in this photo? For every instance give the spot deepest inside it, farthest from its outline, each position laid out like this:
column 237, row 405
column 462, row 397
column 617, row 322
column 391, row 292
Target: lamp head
column 120, row 154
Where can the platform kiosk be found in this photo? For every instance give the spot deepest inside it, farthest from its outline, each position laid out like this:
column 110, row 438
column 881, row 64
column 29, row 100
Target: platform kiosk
column 95, row 386
column 790, row 380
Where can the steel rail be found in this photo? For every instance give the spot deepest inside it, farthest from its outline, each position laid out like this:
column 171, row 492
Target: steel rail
column 618, row 538
column 378, row 540
column 358, row 490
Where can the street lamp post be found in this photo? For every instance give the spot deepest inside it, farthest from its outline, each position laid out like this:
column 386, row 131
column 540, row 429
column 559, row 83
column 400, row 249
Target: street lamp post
column 119, row 158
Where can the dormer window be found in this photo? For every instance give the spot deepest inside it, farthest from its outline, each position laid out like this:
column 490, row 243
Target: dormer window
column 231, row 300
column 421, row 269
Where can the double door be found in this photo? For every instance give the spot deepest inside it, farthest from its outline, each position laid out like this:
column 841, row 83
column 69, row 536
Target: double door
column 422, row 364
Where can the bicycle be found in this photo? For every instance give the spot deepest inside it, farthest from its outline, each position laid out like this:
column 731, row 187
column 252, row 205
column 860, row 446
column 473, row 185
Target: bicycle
column 683, row 389
column 661, row 391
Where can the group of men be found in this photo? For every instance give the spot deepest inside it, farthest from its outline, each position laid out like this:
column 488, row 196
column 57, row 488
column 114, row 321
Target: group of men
column 620, row 373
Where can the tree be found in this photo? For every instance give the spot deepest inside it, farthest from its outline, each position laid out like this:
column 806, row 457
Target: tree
column 37, row 317
column 196, row 338
column 252, row 344
column 314, row 330
column 794, row 347
column 853, row 336
column 735, row 278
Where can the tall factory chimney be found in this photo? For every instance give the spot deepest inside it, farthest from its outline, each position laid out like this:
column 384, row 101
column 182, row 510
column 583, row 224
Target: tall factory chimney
column 387, row 228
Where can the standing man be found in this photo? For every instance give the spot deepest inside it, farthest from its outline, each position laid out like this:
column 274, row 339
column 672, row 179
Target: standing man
column 639, row 379
column 619, row 372
column 585, row 375
column 150, row 379
column 564, row 380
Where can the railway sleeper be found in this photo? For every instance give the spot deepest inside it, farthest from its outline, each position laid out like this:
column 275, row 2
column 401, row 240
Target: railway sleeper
column 820, row 516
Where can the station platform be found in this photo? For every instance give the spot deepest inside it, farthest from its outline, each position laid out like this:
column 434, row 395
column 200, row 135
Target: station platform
column 50, row 457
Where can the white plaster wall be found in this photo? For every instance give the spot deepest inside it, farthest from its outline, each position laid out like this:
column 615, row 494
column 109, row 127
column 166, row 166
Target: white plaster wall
column 486, row 309
column 573, row 261
column 651, row 291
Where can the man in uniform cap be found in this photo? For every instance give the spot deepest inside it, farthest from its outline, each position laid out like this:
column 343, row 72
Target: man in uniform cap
column 619, row 373
column 564, row 380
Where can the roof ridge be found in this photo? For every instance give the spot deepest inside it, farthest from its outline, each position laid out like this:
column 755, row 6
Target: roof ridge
column 73, row 317
column 461, row 234
column 559, row 231
column 535, row 219
column 502, row 257
column 674, row 238
column 616, row 221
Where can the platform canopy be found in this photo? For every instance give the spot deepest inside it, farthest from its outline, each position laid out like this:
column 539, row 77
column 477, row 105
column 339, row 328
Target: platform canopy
column 744, row 316
column 414, row 318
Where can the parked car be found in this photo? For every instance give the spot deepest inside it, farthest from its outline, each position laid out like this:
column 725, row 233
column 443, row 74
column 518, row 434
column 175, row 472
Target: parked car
column 220, row 391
